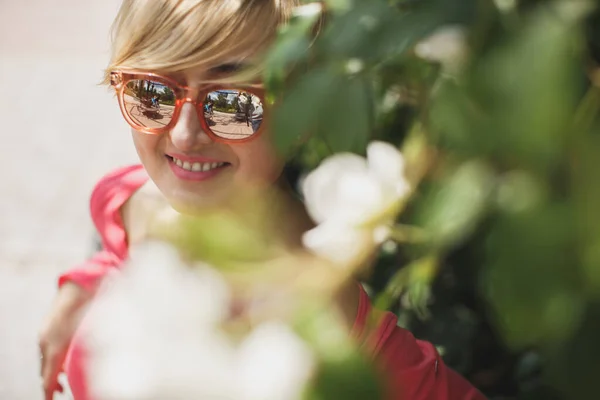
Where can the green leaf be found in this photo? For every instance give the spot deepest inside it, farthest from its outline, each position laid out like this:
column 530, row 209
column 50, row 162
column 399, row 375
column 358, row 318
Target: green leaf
column 336, row 109
column 452, row 210
column 530, row 276
column 374, row 31
column 345, row 119
column 298, row 113
column 517, row 102
column 289, row 49
column 351, row 378
column 291, row 46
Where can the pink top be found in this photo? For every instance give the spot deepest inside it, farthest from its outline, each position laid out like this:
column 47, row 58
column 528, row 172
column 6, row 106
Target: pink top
column 413, row 368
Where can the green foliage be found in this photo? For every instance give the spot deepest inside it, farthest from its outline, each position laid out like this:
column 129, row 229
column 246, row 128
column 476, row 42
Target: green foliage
column 337, row 379
column 167, row 96
column 504, row 148
column 344, row 372
column 227, row 239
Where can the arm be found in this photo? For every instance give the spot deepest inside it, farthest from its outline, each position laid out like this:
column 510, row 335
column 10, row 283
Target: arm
column 76, row 290
column 78, row 285
column 417, row 371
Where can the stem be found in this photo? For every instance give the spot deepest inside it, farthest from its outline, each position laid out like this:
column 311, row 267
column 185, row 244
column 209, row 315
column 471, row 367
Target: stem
column 407, row 234
column 587, row 109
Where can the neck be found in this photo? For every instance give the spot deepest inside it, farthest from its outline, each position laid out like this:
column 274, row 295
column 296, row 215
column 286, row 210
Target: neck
column 347, row 297
column 295, row 219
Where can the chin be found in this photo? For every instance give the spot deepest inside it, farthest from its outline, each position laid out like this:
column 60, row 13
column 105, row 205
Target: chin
column 192, row 203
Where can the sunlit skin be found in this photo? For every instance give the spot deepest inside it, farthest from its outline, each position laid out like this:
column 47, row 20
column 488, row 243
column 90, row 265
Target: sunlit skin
column 253, row 164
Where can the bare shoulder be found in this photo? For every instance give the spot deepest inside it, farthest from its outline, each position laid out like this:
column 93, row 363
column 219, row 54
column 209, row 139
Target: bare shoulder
column 138, row 210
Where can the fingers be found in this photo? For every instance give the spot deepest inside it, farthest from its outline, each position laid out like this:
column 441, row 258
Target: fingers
column 50, row 379
column 51, row 361
column 49, row 393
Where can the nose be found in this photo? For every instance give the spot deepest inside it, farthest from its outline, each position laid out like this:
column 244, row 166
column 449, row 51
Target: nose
column 187, row 134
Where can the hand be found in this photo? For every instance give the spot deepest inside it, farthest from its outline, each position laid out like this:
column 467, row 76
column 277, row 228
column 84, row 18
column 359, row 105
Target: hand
column 57, row 332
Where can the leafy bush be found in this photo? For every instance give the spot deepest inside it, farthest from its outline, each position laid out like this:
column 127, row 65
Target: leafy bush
column 495, row 107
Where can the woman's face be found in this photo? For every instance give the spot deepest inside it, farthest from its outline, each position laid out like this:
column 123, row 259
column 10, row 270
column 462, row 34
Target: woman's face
column 253, row 164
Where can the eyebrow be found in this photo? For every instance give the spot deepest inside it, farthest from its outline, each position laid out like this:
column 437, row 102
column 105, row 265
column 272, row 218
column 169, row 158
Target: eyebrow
column 228, row 68
column 214, row 73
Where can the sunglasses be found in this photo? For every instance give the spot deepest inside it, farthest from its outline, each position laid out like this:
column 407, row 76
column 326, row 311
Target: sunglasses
column 152, row 104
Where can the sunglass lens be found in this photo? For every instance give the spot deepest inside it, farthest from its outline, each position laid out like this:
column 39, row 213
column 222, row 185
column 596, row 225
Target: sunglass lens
column 149, row 104
column 233, row 114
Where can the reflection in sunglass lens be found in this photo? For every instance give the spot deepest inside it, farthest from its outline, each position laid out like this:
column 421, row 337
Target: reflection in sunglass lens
column 148, row 103
column 233, row 114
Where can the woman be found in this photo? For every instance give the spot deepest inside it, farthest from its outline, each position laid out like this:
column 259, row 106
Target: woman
column 197, row 48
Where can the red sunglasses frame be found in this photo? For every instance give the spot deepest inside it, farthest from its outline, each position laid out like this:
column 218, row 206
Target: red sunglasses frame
column 183, row 94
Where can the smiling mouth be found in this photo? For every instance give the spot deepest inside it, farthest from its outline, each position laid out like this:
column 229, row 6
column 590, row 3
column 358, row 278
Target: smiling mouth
column 197, row 166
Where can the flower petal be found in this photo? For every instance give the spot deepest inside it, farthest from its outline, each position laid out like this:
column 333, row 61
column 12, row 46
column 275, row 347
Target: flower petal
column 387, row 164
column 274, row 364
column 447, row 45
column 361, row 197
column 320, row 187
column 151, row 331
column 340, row 244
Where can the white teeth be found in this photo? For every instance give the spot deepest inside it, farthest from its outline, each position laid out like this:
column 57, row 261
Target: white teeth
column 197, row 167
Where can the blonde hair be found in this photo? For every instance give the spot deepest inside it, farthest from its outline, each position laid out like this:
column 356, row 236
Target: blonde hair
column 173, row 35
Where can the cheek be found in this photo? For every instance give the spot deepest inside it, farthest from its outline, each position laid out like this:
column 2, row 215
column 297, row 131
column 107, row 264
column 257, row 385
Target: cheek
column 147, row 147
column 259, row 161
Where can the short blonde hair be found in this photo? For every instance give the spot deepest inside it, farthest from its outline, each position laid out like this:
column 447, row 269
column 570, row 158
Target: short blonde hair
column 173, row 35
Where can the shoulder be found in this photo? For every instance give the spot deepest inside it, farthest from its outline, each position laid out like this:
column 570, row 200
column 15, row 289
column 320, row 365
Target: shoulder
column 122, row 178
column 111, row 192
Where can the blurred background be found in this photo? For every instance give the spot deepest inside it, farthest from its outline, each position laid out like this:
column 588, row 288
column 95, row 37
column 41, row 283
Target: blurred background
column 62, row 132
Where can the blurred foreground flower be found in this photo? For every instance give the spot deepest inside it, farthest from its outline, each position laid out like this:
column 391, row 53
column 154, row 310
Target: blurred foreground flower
column 447, row 46
column 354, row 201
column 157, row 332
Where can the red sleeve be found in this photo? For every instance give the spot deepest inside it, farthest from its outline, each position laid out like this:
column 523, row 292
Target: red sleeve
column 412, row 369
column 89, row 273
column 109, row 195
column 417, row 372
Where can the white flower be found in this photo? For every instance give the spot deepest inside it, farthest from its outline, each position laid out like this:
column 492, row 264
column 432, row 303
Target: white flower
column 339, row 243
column 447, row 45
column 352, row 198
column 155, row 333
column 151, row 335
column 273, row 364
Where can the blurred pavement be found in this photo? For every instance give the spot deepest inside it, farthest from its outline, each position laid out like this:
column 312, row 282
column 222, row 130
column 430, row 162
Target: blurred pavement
column 61, row 133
